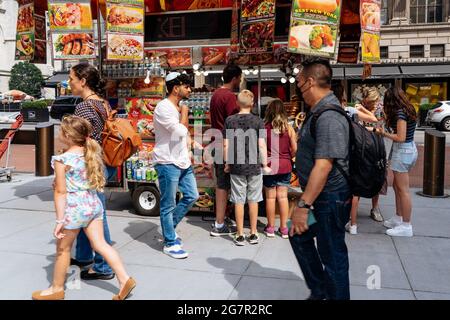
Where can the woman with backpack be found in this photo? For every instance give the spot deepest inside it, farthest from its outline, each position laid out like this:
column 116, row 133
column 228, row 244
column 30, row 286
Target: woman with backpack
column 281, row 148
column 85, row 81
column 401, row 118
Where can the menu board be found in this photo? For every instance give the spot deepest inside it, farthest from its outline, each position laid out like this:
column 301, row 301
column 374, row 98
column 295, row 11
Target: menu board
column 125, row 30
column 152, row 89
column 234, row 39
column 350, row 32
column 370, row 27
column 25, row 31
column 123, row 18
column 314, row 27
column 172, row 58
column 70, row 16
column 257, row 30
column 68, row 46
column 140, row 114
column 40, row 44
column 214, row 55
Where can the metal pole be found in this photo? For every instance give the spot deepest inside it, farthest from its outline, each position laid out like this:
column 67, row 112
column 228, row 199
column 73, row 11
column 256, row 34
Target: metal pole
column 99, row 38
column 259, row 91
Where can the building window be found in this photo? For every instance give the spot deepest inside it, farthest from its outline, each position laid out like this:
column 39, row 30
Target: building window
column 416, row 52
column 437, row 50
column 426, row 11
column 384, row 12
column 384, row 52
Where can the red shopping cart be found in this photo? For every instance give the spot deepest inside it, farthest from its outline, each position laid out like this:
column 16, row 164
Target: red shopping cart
column 5, row 147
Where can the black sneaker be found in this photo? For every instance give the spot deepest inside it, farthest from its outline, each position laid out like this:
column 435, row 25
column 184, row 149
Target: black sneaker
column 75, row 262
column 253, row 239
column 239, row 240
column 230, row 222
column 224, row 231
column 85, row 275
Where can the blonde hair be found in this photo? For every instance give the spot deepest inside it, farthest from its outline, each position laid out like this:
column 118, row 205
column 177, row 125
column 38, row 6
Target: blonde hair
column 277, row 116
column 371, row 94
column 78, row 130
column 245, row 98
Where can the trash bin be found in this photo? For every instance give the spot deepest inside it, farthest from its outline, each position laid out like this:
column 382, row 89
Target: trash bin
column 434, row 165
column 44, row 148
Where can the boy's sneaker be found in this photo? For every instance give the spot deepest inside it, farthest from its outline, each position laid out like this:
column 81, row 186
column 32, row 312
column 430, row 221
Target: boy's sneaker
column 253, row 238
column 224, row 231
column 239, row 240
column 401, row 230
column 230, row 222
column 283, row 232
column 394, row 221
column 175, row 251
column 351, row 228
column 269, row 231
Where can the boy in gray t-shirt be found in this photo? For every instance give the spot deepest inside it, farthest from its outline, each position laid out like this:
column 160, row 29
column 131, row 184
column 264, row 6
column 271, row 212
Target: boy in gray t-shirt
column 245, row 153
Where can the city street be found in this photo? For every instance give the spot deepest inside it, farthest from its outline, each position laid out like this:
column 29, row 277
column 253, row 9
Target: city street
column 381, row 267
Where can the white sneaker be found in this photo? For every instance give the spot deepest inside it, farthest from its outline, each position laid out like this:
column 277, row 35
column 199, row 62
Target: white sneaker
column 352, row 229
column 394, row 221
column 401, row 230
column 175, row 251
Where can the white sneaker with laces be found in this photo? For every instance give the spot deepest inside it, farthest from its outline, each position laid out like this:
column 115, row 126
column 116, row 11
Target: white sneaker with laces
column 352, row 229
column 401, row 230
column 394, row 221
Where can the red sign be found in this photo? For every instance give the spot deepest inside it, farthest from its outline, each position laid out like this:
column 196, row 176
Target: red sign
column 180, row 57
column 214, row 55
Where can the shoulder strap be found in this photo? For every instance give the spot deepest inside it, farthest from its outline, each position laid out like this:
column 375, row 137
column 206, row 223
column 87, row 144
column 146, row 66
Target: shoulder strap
column 100, row 113
column 312, row 129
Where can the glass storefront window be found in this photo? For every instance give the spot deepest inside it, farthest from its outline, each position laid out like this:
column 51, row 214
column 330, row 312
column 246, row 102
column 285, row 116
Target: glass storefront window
column 424, row 93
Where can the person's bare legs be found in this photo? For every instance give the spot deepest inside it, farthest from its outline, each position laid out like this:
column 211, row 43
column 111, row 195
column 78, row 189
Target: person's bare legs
column 239, row 215
column 271, row 196
column 375, row 201
column 354, row 211
column 62, row 262
column 402, row 179
column 398, row 202
column 253, row 213
column 221, row 204
column 283, row 204
column 94, row 232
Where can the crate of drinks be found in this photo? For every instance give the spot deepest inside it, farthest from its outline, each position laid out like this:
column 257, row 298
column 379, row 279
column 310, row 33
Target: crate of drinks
column 138, row 169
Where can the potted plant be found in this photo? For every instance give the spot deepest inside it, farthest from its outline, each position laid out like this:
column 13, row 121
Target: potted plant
column 35, row 111
column 423, row 112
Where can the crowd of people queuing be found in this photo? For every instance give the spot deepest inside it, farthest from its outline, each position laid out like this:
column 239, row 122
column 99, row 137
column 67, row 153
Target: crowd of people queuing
column 253, row 159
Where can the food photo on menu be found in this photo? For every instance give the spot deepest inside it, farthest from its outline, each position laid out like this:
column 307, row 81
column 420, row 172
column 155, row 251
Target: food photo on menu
column 73, row 45
column 257, row 9
column 317, row 38
column 323, row 10
column 181, row 57
column 257, row 37
column 124, row 47
column 24, row 46
column 214, row 55
column 25, row 18
column 370, row 16
column 124, row 18
column 70, row 16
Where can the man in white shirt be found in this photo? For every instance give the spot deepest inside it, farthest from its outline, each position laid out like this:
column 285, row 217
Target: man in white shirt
column 173, row 163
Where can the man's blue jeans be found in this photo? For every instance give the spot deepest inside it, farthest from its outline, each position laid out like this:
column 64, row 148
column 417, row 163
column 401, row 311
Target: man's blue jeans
column 325, row 267
column 170, row 179
column 84, row 252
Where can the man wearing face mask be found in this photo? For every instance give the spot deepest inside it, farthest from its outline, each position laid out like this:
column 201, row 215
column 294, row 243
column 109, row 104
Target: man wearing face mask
column 173, row 163
column 320, row 159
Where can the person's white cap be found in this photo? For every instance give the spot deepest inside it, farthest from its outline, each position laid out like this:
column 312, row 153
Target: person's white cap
column 172, row 76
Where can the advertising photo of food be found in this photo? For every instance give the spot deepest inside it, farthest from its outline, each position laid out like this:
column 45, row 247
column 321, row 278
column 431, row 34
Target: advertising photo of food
column 25, row 44
column 328, row 6
column 25, row 18
column 125, row 46
column 257, row 8
column 214, row 56
column 370, row 46
column 370, row 13
column 74, row 44
column 70, row 15
column 124, row 16
column 319, row 38
column 257, row 35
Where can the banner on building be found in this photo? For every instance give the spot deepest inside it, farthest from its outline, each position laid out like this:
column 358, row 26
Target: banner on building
column 40, row 44
column 370, row 29
column 350, row 32
column 314, row 27
column 25, row 31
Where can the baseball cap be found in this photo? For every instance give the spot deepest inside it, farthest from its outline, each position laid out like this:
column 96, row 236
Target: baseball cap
column 172, row 76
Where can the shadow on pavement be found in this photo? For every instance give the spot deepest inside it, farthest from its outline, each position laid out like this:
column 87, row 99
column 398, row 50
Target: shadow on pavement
column 30, row 188
column 151, row 238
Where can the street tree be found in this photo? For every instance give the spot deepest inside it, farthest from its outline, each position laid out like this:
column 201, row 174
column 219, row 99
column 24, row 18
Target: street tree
column 26, row 77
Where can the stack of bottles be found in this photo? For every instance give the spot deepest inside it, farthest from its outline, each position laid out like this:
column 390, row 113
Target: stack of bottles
column 198, row 104
column 139, row 169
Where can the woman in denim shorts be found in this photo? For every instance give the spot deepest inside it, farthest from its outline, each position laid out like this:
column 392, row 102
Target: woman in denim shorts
column 281, row 148
column 401, row 118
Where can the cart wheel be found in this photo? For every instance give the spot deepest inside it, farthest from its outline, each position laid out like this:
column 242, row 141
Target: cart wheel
column 8, row 178
column 146, row 200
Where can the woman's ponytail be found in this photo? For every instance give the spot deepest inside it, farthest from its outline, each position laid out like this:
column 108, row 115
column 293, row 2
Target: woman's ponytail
column 94, row 164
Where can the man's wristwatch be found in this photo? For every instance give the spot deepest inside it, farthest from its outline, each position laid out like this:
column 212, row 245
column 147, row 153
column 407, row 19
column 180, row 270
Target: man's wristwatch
column 302, row 204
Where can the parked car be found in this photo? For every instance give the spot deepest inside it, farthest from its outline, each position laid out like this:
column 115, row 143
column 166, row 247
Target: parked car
column 64, row 105
column 439, row 116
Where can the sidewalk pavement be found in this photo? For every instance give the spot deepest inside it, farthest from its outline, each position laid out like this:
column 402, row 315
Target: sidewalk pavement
column 410, row 268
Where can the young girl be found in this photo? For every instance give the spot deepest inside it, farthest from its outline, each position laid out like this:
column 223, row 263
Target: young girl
column 281, row 147
column 401, row 118
column 78, row 177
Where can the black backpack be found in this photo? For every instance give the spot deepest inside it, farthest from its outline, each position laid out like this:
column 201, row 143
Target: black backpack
column 367, row 157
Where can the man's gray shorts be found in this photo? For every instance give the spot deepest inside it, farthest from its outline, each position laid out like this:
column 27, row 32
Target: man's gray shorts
column 246, row 189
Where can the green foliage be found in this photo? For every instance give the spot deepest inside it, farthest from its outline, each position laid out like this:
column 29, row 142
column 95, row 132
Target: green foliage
column 426, row 106
column 39, row 104
column 26, row 77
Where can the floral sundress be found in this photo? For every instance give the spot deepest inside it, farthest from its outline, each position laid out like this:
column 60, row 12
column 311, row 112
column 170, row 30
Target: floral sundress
column 82, row 203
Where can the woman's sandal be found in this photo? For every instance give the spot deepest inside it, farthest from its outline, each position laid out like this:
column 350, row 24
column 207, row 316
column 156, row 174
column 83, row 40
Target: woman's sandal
column 54, row 296
column 126, row 290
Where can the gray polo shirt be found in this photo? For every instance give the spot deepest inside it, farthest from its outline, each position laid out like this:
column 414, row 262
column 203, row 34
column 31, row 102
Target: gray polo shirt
column 332, row 142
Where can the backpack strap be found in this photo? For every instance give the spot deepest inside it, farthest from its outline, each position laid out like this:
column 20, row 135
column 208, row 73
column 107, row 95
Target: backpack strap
column 312, row 130
column 101, row 115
